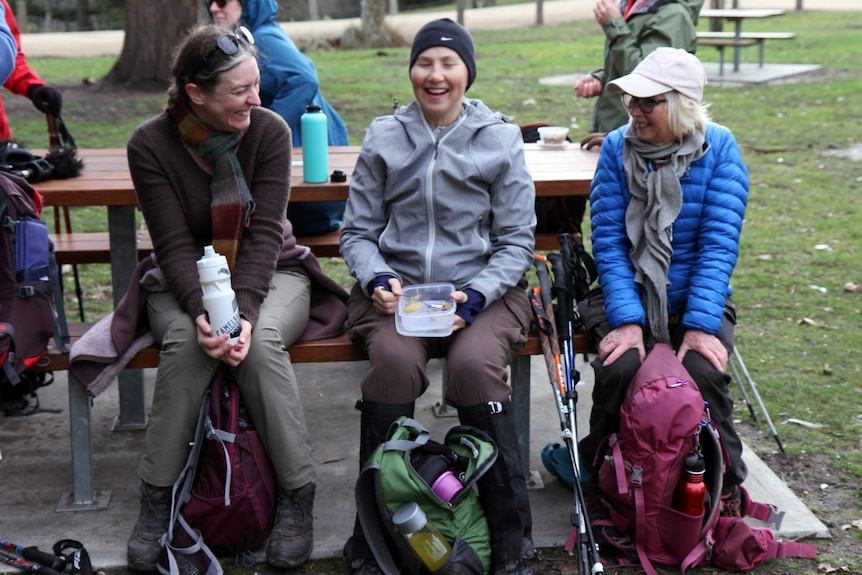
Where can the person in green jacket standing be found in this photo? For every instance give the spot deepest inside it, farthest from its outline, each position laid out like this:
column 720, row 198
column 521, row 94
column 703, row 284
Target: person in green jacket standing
column 633, row 29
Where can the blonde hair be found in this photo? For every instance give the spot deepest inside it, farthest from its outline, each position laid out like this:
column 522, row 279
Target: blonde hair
column 685, row 116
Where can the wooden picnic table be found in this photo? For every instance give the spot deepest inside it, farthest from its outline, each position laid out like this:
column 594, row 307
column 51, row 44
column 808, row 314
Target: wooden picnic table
column 106, row 181
column 738, row 16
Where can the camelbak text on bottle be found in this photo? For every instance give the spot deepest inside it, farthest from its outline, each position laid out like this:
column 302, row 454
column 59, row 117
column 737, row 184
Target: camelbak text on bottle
column 219, row 298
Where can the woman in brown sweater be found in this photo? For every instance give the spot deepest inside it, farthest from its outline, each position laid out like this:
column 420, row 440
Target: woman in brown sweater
column 214, row 168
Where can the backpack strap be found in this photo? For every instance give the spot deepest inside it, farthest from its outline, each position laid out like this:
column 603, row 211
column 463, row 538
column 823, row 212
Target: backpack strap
column 640, row 519
column 373, row 518
column 421, row 438
column 782, row 548
column 180, row 542
column 762, row 511
column 700, row 554
column 61, row 328
column 8, row 360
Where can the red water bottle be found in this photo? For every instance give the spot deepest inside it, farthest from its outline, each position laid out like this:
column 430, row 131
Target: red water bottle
column 691, row 490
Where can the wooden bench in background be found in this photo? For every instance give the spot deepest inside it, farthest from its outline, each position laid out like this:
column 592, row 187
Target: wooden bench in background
column 722, row 40
column 84, row 496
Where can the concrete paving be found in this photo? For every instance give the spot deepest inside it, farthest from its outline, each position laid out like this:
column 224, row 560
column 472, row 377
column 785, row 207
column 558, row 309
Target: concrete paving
column 35, row 470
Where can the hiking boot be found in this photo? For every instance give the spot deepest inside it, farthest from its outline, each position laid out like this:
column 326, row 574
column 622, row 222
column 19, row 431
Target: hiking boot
column 292, row 536
column 735, row 502
column 143, row 549
column 359, row 565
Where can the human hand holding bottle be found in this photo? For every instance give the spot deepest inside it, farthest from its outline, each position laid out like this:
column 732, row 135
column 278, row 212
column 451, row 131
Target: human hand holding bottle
column 218, row 347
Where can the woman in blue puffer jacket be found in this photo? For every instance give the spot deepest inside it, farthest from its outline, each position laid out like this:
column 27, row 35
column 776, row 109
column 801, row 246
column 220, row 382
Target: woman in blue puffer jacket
column 667, row 205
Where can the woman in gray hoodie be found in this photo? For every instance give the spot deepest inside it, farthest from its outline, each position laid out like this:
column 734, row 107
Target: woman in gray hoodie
column 441, row 193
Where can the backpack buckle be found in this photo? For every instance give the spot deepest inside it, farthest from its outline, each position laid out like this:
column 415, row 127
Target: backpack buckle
column 25, row 291
column 637, row 479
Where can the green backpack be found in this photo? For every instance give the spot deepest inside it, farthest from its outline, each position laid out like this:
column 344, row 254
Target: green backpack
column 393, row 476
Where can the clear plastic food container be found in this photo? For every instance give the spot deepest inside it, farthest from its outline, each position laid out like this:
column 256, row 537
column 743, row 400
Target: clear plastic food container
column 426, row 310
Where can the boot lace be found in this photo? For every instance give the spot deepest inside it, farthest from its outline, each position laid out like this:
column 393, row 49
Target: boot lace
column 154, row 517
column 294, row 515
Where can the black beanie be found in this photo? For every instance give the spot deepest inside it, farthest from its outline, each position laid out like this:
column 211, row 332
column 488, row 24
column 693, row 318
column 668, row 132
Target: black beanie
column 448, row 33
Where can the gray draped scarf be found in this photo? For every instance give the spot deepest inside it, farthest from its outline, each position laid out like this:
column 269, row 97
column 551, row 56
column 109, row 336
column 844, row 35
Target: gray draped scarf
column 653, row 174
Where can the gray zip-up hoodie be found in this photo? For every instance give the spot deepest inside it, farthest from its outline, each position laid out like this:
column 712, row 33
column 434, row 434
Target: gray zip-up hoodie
column 458, row 206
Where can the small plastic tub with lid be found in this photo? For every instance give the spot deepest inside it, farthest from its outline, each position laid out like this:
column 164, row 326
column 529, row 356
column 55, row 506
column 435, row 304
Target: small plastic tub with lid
column 426, row 310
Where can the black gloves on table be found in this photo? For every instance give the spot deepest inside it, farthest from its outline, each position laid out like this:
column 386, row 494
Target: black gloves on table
column 47, row 100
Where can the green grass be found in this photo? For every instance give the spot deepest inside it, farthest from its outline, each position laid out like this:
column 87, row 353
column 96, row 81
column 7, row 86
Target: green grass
column 801, row 343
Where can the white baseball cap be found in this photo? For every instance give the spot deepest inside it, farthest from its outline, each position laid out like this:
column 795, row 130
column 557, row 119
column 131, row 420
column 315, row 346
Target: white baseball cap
column 663, row 70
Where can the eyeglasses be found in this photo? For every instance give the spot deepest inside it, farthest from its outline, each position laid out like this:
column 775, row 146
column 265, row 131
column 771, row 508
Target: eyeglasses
column 647, row 105
column 220, row 3
column 229, row 43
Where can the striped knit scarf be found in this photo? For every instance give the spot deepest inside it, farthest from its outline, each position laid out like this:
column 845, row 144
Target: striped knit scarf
column 231, row 205
column 653, row 174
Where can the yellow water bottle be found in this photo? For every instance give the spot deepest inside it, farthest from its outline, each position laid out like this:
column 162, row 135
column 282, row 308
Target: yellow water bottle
column 427, row 542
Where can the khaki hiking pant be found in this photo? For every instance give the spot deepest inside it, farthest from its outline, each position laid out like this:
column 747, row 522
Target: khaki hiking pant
column 266, row 379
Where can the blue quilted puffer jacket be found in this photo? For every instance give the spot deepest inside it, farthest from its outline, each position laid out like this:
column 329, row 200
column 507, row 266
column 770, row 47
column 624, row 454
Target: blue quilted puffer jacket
column 705, row 235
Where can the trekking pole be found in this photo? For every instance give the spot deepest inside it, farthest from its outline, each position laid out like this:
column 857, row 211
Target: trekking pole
column 754, row 392
column 566, row 276
column 34, row 555
column 541, row 300
column 26, row 565
column 745, row 397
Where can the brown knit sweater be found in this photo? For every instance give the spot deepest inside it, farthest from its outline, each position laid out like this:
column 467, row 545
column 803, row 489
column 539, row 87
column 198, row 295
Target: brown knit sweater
column 174, row 196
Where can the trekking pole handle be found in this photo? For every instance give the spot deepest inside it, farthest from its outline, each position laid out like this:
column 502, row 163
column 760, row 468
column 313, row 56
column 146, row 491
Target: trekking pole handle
column 43, row 558
column 564, row 296
column 540, row 262
column 26, row 565
column 34, row 555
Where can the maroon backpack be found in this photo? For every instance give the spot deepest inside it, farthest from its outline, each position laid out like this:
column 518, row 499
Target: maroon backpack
column 31, row 303
column 233, row 499
column 663, row 419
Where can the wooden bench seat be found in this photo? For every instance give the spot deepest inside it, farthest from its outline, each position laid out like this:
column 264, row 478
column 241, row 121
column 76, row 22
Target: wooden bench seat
column 334, row 349
column 337, row 349
column 95, row 247
column 92, row 247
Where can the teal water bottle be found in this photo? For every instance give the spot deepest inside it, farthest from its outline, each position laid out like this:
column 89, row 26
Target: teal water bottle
column 315, row 146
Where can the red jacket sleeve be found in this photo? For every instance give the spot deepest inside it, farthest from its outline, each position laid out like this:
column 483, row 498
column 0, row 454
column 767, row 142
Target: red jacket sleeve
column 23, row 76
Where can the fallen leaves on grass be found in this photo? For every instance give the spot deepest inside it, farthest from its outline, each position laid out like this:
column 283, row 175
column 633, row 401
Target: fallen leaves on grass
column 827, row 568
column 803, row 423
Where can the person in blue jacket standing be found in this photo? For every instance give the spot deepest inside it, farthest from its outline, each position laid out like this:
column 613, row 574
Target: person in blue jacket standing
column 288, row 83
column 667, row 204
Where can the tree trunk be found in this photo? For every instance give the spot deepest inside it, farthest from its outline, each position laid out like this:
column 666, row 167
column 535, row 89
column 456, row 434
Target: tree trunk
column 373, row 15
column 82, row 15
column 153, row 29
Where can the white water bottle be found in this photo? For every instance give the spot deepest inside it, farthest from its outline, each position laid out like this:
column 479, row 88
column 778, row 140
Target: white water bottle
column 219, row 297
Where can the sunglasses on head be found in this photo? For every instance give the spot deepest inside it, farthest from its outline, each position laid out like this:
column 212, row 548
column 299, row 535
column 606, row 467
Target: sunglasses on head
column 219, row 3
column 229, row 43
